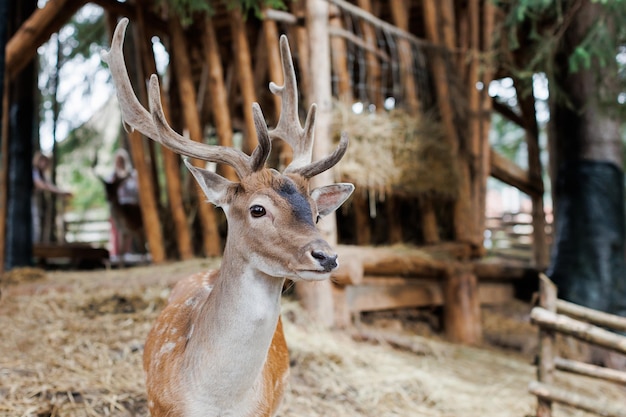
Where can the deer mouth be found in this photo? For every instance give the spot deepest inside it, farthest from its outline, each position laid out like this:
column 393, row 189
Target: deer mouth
column 313, row 275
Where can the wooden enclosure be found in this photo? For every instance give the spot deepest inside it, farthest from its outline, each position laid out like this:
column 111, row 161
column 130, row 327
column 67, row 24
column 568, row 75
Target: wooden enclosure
column 411, row 74
column 555, row 316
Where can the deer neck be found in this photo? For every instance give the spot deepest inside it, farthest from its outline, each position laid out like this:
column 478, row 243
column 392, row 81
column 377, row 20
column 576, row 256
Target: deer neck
column 233, row 330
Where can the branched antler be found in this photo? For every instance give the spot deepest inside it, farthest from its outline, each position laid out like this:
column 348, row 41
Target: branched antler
column 289, row 128
column 154, row 125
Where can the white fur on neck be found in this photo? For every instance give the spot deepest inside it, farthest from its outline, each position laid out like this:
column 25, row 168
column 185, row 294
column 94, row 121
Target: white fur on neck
column 221, row 371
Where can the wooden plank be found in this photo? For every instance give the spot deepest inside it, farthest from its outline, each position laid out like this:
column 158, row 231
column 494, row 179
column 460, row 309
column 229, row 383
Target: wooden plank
column 461, row 314
column 73, row 251
column 393, row 295
column 600, row 407
column 578, row 329
column 545, row 370
column 594, row 371
column 592, row 316
column 384, row 293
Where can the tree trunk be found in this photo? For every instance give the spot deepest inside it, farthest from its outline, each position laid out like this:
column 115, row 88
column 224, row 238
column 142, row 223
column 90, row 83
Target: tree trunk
column 588, row 257
column 22, row 122
column 4, row 149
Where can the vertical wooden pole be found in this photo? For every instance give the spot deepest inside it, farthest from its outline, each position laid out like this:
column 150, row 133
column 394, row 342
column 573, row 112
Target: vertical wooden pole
column 527, row 107
column 147, row 200
column 400, row 15
column 462, row 305
column 170, row 159
column 317, row 299
column 339, row 55
column 219, row 96
column 361, row 209
column 301, row 46
column 245, row 76
column 374, row 73
column 4, row 167
column 187, row 92
column 488, row 24
column 545, row 370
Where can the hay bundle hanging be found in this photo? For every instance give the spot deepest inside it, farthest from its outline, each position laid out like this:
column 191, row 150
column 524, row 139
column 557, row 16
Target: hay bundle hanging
column 395, row 152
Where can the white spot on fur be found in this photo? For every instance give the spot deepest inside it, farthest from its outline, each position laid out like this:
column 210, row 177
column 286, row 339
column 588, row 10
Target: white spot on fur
column 167, row 348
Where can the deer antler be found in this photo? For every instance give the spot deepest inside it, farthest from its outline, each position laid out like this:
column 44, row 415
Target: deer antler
column 155, row 125
column 289, row 128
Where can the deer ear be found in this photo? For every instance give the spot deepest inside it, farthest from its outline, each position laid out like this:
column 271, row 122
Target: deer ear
column 330, row 197
column 215, row 186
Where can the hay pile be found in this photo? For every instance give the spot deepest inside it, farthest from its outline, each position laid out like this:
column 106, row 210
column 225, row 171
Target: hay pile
column 395, row 152
column 75, row 349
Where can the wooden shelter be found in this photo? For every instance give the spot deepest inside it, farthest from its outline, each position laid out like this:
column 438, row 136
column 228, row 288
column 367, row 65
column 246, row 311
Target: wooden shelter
column 419, row 67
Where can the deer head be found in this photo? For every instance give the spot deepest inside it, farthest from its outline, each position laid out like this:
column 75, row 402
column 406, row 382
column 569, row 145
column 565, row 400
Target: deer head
column 271, row 215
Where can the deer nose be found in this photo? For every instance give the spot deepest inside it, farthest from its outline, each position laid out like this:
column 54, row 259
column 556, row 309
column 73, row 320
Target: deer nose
column 327, row 261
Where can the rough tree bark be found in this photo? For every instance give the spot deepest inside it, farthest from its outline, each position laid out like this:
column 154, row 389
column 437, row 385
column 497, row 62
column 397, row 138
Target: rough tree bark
column 588, row 254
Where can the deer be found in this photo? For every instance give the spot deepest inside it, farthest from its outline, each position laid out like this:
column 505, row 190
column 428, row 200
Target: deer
column 218, row 347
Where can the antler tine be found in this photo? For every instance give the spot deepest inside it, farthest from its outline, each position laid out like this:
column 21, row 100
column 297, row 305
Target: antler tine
column 134, row 115
column 155, row 125
column 317, row 167
column 288, row 127
column 168, row 137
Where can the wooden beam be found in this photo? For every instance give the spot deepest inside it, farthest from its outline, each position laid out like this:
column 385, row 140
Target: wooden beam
column 171, row 160
column 560, row 395
column 245, row 77
column 22, row 47
column 218, row 93
column 594, row 371
column 373, row 71
column 546, row 368
column 461, row 313
column 210, row 236
column 512, row 174
column 578, row 329
column 592, row 316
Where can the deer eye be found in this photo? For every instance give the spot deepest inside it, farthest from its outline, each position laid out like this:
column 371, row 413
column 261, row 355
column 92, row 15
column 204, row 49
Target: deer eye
column 257, row 211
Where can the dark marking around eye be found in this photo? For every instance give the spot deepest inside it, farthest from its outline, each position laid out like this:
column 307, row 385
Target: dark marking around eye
column 299, row 203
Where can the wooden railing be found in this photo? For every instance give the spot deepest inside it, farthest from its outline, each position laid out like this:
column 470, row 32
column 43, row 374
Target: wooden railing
column 558, row 316
column 510, row 236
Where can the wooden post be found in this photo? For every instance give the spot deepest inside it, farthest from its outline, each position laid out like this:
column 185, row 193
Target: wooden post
column 210, row 235
column 462, row 305
column 43, row 22
column 545, row 370
column 526, row 102
column 4, row 167
column 361, row 208
column 245, row 76
column 339, row 55
column 170, row 159
column 400, row 15
column 484, row 166
column 317, row 299
column 373, row 73
column 463, row 210
column 148, row 203
column 219, row 96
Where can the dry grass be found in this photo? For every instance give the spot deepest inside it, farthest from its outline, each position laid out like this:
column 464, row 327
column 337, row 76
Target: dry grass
column 395, row 151
column 71, row 345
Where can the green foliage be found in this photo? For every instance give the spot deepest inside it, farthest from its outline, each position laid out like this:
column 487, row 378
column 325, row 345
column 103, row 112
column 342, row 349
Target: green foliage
column 539, row 25
column 185, row 9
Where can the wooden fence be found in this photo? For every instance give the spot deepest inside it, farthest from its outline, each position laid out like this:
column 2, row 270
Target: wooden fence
column 600, row 329
column 510, row 236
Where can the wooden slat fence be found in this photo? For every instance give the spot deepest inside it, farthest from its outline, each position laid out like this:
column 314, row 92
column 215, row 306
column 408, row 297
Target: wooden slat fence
column 601, row 329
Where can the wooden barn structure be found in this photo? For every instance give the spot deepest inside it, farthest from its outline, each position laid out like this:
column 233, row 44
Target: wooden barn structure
column 407, row 79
